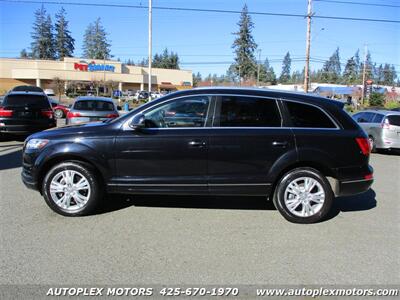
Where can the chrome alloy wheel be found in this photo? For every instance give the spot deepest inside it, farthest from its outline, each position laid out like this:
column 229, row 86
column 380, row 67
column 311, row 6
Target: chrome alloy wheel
column 70, row 190
column 304, row 197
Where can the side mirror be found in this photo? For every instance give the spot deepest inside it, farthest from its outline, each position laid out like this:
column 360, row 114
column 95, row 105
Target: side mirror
column 137, row 122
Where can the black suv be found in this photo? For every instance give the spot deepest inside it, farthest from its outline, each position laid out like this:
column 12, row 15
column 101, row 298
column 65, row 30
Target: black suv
column 299, row 151
column 25, row 110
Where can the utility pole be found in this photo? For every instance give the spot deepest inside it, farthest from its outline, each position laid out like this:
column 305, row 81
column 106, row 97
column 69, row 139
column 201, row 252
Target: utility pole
column 150, row 43
column 308, row 45
column 363, row 75
column 258, row 67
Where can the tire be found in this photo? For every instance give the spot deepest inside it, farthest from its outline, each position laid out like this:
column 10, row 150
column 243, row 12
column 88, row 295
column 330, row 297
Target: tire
column 294, row 207
column 83, row 197
column 372, row 144
column 59, row 114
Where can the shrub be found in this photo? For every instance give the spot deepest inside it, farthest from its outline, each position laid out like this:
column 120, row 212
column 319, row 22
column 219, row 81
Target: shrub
column 376, row 99
column 392, row 104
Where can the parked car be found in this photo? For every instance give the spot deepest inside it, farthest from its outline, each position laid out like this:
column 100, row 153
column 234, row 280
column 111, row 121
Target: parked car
column 24, row 112
column 142, row 95
column 297, row 150
column 382, row 128
column 396, row 109
column 60, row 111
column 90, row 108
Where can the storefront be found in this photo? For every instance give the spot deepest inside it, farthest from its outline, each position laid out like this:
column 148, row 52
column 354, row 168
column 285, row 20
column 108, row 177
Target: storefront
column 88, row 73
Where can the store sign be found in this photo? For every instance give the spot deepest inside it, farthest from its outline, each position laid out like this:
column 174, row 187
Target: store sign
column 92, row 67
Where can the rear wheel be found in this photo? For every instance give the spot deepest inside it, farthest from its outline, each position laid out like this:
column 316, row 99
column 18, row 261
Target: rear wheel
column 372, row 144
column 303, row 195
column 58, row 113
column 71, row 189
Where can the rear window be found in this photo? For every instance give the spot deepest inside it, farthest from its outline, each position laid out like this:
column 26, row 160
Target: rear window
column 394, row 120
column 27, row 100
column 307, row 116
column 93, row 105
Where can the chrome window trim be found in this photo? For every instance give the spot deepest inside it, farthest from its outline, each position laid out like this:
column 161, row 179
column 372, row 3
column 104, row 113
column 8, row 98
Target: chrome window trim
column 126, row 127
column 316, row 106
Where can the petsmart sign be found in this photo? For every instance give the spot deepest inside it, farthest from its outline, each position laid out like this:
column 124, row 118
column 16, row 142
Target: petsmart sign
column 92, row 67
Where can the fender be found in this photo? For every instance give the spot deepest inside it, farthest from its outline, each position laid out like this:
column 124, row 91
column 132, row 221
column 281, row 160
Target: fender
column 70, row 150
column 283, row 162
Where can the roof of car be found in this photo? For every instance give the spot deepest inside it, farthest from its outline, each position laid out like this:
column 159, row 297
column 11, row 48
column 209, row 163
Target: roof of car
column 260, row 92
column 381, row 111
column 94, row 98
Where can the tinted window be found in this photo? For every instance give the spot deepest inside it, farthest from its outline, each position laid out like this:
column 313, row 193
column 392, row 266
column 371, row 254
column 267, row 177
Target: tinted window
column 377, row 119
column 394, row 120
column 248, row 112
column 93, row 105
column 27, row 100
column 303, row 115
column 186, row 112
column 368, row 116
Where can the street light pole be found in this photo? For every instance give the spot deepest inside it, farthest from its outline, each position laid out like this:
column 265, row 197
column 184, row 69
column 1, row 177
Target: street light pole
column 258, row 67
column 308, row 45
column 150, row 43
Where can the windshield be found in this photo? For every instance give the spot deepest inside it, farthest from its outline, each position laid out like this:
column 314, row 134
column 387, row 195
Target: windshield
column 27, row 100
column 94, row 105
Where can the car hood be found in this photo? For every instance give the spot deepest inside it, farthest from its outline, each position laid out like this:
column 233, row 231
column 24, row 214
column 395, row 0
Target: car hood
column 78, row 129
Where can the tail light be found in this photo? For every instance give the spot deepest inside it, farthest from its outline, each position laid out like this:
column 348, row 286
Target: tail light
column 369, row 176
column 364, row 145
column 5, row 112
column 112, row 116
column 385, row 124
column 73, row 115
column 47, row 113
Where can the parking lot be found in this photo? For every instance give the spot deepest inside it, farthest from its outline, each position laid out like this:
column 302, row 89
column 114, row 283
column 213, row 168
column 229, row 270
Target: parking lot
column 198, row 240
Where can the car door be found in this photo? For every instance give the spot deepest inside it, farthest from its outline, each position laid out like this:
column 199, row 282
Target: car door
column 169, row 155
column 246, row 140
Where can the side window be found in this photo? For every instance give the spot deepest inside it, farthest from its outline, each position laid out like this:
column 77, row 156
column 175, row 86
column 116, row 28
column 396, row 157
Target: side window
column 368, row 117
column 378, row 118
column 242, row 111
column 359, row 117
column 185, row 112
column 308, row 116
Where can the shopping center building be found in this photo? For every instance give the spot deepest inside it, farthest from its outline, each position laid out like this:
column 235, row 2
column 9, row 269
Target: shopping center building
column 15, row 71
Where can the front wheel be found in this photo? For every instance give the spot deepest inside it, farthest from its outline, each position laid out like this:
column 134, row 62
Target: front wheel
column 303, row 195
column 71, row 189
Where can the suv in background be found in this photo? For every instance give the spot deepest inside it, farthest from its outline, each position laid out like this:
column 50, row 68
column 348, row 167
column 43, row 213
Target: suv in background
column 26, row 110
column 382, row 128
column 91, row 108
column 297, row 150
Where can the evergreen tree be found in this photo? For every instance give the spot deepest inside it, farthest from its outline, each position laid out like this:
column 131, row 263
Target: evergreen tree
column 388, row 74
column 357, row 62
column 245, row 65
column 64, row 41
column 286, row 66
column 369, row 68
column 95, row 43
column 350, row 73
column 267, row 73
column 42, row 36
column 166, row 60
column 196, row 79
column 23, row 54
column 332, row 69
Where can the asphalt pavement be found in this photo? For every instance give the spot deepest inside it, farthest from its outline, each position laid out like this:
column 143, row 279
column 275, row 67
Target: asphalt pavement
column 198, row 240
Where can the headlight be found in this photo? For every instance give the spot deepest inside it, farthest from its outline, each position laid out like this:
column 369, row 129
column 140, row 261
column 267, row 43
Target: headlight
column 36, row 144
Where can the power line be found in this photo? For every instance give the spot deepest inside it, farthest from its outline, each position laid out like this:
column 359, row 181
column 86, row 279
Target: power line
column 202, row 10
column 358, row 3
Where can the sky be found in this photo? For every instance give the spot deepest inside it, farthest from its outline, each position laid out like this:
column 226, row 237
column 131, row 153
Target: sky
column 203, row 40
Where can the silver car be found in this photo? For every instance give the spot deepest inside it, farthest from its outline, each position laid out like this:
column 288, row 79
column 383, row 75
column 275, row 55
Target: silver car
column 90, row 108
column 382, row 128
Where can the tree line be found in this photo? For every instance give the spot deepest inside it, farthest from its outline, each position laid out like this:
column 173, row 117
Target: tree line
column 54, row 41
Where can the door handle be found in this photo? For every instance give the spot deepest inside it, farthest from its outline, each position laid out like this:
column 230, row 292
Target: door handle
column 279, row 144
column 197, row 144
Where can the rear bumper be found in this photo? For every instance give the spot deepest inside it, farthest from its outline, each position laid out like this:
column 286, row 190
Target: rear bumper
column 15, row 129
column 353, row 185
